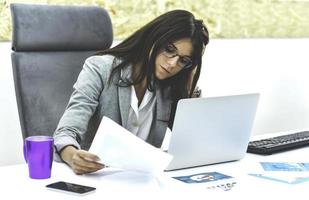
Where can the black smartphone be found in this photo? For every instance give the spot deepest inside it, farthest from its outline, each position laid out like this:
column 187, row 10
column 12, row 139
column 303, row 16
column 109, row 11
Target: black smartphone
column 71, row 188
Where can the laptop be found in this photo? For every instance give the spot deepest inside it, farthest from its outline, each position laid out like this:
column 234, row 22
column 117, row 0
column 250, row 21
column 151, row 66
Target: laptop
column 211, row 130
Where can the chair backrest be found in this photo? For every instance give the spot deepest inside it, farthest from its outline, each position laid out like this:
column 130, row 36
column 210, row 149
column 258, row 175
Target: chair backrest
column 50, row 45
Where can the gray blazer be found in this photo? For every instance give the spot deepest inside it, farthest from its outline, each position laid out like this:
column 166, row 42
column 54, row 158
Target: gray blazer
column 93, row 93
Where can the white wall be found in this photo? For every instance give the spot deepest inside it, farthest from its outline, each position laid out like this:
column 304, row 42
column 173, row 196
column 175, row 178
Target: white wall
column 276, row 68
column 10, row 132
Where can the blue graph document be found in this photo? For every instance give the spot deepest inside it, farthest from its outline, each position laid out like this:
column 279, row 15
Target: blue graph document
column 284, row 172
column 285, row 166
column 289, row 178
column 209, row 180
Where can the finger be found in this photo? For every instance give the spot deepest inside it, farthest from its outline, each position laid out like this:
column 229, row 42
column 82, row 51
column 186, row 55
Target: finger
column 78, row 171
column 83, row 170
column 88, row 156
column 86, row 164
column 83, row 164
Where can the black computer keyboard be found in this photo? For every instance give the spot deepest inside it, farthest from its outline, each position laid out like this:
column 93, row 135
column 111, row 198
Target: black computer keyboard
column 280, row 143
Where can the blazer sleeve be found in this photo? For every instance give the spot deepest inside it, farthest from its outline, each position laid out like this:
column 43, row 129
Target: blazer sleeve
column 83, row 102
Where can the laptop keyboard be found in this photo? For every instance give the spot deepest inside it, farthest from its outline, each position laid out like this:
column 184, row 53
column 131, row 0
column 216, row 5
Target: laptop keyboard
column 280, row 143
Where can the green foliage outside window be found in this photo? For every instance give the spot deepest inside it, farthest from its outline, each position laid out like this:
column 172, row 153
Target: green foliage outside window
column 224, row 18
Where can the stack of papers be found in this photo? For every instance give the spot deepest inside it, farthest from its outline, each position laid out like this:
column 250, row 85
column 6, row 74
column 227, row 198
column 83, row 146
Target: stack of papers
column 285, row 172
column 119, row 148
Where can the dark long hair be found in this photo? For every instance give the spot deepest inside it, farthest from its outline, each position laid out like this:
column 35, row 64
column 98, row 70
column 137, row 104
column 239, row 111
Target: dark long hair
column 143, row 46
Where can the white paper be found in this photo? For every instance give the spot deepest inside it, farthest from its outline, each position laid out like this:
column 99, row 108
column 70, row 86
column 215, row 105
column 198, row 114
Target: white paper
column 119, row 148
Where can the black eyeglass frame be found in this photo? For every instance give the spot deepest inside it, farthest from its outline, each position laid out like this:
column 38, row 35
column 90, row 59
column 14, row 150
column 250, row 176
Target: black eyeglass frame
column 170, row 51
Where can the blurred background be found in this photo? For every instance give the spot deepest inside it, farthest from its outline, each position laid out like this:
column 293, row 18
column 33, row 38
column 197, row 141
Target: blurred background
column 224, row 18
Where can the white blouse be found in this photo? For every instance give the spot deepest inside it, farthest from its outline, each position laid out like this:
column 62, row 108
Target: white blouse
column 141, row 117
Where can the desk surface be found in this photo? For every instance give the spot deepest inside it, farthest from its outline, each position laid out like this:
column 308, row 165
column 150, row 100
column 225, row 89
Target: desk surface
column 114, row 183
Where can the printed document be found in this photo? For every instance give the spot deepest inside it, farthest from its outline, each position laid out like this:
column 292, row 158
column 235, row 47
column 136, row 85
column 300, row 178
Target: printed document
column 119, row 148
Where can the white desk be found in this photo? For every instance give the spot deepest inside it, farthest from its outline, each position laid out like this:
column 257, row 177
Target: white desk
column 15, row 182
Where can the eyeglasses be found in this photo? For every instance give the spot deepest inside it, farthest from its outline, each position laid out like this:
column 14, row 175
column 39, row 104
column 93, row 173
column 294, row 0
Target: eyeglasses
column 170, row 51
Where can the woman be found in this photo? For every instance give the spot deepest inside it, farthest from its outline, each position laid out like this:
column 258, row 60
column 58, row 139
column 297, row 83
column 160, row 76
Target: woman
column 136, row 83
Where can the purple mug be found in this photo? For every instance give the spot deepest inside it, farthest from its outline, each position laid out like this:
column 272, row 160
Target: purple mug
column 38, row 153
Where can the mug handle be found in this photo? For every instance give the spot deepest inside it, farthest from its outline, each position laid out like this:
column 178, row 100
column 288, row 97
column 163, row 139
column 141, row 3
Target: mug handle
column 25, row 151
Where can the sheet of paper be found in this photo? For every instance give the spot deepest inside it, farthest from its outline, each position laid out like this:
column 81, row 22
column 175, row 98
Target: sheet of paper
column 209, row 180
column 287, row 177
column 285, row 166
column 119, row 148
column 285, row 172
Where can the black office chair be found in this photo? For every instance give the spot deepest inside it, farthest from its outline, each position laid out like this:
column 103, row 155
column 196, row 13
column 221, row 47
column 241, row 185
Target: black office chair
column 50, row 44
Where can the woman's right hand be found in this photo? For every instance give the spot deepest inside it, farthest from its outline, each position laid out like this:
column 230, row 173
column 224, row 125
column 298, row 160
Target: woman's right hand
column 82, row 162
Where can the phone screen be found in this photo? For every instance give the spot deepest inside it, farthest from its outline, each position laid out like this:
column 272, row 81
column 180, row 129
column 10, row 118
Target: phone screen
column 71, row 187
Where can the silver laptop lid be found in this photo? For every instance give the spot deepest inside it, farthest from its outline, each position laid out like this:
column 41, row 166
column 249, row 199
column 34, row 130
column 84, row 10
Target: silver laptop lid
column 211, row 130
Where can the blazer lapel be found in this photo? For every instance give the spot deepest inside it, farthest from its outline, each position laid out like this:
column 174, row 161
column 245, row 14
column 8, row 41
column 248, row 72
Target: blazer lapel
column 124, row 95
column 164, row 102
column 160, row 123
